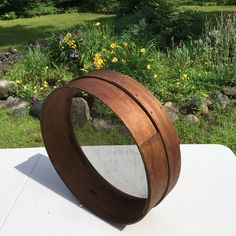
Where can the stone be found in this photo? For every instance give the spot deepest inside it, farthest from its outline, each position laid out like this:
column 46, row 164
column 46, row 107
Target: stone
column 172, row 111
column 229, row 91
column 21, row 112
column 196, row 105
column 6, row 87
column 101, row 124
column 173, row 116
column 80, row 112
column 14, row 103
column 4, row 66
column 36, row 108
column 222, row 99
column 191, row 118
column 35, row 45
column 203, row 108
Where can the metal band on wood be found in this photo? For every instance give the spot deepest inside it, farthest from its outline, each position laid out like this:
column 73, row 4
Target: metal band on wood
column 147, row 122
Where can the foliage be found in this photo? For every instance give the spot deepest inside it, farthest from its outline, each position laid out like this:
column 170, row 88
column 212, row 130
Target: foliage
column 33, row 73
column 24, row 131
column 9, row 16
column 218, row 128
column 39, row 9
column 195, row 68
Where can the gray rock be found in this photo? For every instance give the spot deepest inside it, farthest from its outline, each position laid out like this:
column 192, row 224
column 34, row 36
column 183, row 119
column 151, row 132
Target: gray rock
column 173, row 116
column 101, row 124
column 4, row 66
column 80, row 112
column 223, row 100
column 203, row 108
column 6, row 87
column 15, row 103
column 172, row 111
column 230, row 91
column 36, row 108
column 21, row 112
column 195, row 105
column 191, row 118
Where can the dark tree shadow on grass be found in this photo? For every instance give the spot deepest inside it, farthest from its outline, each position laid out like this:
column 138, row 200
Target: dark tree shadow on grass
column 19, row 36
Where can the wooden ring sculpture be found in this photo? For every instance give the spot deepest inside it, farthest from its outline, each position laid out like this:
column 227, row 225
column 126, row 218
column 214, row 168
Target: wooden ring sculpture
column 147, row 122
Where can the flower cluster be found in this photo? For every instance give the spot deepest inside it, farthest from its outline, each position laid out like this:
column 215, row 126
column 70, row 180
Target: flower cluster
column 98, row 61
column 69, row 44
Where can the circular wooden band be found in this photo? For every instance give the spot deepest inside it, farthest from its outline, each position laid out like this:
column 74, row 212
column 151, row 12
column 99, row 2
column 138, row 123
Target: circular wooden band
column 131, row 102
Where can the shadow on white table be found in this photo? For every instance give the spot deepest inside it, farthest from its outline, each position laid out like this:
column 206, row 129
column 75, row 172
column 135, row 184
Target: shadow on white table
column 34, row 200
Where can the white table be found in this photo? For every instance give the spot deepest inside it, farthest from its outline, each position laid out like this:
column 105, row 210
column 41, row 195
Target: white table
column 34, row 201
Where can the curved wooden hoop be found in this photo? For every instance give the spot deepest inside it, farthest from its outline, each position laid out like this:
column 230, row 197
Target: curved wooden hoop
column 147, row 122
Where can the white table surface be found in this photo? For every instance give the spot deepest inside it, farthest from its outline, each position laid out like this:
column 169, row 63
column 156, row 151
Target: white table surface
column 34, row 201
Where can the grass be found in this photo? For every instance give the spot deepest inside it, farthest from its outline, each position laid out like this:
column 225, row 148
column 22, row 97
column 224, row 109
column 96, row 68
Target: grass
column 18, row 131
column 218, row 128
column 17, row 33
column 209, row 9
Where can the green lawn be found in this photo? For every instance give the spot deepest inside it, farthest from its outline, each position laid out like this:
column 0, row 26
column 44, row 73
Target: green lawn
column 17, row 33
column 212, row 8
column 218, row 128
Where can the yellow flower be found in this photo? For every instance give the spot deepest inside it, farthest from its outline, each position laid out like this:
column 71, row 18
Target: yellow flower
column 45, row 84
column 25, row 87
column 84, row 94
column 115, row 59
column 125, row 44
column 46, row 67
column 98, row 24
column 148, row 67
column 123, row 61
column 18, row 81
column 184, row 77
column 104, row 49
column 142, row 50
column 113, row 45
column 155, row 76
column 98, row 61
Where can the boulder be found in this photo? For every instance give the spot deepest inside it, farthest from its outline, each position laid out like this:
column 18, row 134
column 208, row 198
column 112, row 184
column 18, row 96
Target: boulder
column 14, row 103
column 203, row 107
column 80, row 112
column 196, row 105
column 101, row 124
column 229, row 91
column 221, row 98
column 191, row 118
column 6, row 87
column 36, row 108
column 172, row 111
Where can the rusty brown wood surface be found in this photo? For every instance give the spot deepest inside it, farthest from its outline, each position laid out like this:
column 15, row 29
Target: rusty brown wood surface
column 147, row 122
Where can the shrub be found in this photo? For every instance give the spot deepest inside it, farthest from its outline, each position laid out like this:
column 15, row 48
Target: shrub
column 39, row 8
column 9, row 16
column 33, row 73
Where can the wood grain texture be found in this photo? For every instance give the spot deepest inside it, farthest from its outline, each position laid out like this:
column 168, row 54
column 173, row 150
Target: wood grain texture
column 147, row 122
